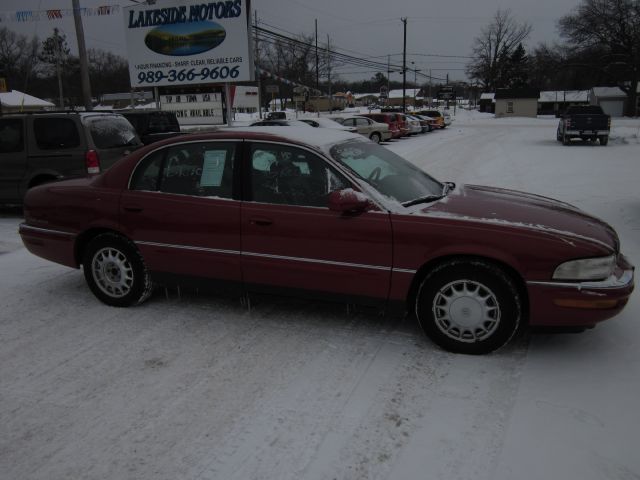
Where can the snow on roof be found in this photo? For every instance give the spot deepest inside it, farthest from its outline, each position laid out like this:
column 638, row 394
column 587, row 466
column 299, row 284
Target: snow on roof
column 608, row 92
column 564, row 96
column 17, row 99
column 487, row 96
column 358, row 96
column 410, row 92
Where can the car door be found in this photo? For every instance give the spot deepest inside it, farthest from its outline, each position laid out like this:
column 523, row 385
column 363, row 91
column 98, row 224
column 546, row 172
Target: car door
column 291, row 241
column 13, row 159
column 364, row 126
column 182, row 211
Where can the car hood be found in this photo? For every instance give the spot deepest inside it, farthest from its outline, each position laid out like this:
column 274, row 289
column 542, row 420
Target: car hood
column 510, row 208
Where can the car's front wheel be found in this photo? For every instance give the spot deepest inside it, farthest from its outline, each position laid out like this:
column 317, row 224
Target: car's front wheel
column 470, row 307
column 115, row 271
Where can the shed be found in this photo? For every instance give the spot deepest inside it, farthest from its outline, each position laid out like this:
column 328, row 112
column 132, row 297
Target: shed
column 611, row 99
column 16, row 101
column 487, row 102
column 517, row 102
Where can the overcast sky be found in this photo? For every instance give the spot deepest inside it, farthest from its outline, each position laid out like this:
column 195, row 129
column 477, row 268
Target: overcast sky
column 437, row 31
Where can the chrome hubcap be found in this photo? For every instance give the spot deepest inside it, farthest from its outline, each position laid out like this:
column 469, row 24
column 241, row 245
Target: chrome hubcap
column 112, row 272
column 466, row 311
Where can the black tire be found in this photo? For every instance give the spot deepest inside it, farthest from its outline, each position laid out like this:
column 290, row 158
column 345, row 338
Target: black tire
column 604, row 140
column 474, row 289
column 375, row 137
column 558, row 136
column 565, row 140
column 115, row 271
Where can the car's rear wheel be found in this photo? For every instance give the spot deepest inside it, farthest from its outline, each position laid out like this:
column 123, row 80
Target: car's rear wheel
column 470, row 307
column 115, row 271
column 375, row 137
column 604, row 139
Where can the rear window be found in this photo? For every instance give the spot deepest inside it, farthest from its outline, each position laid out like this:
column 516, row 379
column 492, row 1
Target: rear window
column 56, row 133
column 585, row 110
column 160, row 122
column 112, row 132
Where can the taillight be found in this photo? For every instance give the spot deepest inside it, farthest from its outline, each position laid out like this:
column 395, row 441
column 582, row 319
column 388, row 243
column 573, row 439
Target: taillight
column 609, row 122
column 92, row 162
column 567, row 123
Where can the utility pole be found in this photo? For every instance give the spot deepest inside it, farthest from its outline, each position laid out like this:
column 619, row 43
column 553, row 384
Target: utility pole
column 58, row 46
column 317, row 62
column 329, row 75
column 82, row 54
column 404, row 67
column 430, row 96
column 257, row 68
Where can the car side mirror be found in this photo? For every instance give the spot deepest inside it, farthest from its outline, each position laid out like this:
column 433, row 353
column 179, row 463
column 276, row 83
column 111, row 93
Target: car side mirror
column 348, row 201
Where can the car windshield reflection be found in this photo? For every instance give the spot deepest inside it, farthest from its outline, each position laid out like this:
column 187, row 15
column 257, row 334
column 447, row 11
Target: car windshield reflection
column 387, row 172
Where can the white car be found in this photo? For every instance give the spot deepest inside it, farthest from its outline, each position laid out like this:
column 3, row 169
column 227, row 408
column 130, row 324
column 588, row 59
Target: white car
column 323, row 122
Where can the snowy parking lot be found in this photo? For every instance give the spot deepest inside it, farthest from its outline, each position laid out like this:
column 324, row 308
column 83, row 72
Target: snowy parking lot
column 196, row 386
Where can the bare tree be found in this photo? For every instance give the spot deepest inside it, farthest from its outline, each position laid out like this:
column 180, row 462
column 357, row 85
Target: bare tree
column 615, row 26
column 18, row 57
column 494, row 47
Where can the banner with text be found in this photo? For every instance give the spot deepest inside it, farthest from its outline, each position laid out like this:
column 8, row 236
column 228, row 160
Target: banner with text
column 195, row 108
column 187, row 44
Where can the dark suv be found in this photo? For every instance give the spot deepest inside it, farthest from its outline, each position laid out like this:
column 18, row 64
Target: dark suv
column 153, row 125
column 40, row 147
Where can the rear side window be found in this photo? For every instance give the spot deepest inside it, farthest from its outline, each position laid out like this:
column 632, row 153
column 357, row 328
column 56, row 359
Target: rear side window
column 56, row 133
column 112, row 132
column 196, row 169
column 11, row 136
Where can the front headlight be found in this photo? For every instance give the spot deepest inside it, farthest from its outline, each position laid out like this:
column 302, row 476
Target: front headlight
column 598, row 268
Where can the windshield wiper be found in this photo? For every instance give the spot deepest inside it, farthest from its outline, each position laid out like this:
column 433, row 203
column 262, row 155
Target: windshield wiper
column 425, row 199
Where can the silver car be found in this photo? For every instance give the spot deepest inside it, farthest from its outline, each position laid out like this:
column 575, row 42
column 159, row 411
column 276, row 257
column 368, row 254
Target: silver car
column 376, row 131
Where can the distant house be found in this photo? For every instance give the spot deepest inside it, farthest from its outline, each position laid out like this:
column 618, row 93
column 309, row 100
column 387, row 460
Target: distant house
column 487, row 102
column 16, row 101
column 516, row 102
column 395, row 97
column 611, row 99
column 555, row 102
column 364, row 99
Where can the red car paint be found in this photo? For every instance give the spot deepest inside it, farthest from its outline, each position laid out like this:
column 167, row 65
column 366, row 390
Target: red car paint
column 376, row 256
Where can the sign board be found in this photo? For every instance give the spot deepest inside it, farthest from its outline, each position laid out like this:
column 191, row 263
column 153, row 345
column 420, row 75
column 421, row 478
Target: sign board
column 194, row 108
column 271, row 88
column 384, row 92
column 446, row 93
column 189, row 43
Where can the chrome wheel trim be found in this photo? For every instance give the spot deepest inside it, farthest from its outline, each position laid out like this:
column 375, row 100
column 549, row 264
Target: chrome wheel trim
column 112, row 272
column 466, row 311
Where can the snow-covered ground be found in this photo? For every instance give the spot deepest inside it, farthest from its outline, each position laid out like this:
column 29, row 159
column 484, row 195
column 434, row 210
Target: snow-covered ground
column 200, row 388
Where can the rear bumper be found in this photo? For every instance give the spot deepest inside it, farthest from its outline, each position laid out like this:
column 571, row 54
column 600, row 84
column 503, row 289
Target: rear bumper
column 586, row 133
column 386, row 135
column 55, row 245
column 580, row 304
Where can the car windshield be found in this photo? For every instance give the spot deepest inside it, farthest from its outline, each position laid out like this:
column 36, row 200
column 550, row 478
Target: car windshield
column 387, row 172
column 112, row 131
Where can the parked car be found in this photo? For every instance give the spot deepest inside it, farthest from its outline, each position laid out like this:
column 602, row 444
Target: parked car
column 390, row 119
column 587, row 122
column 375, row 131
column 41, row 147
column 152, row 125
column 446, row 118
column 414, row 125
column 403, row 124
column 323, row 122
column 330, row 214
column 419, row 122
column 279, row 123
column 431, row 122
column 436, row 115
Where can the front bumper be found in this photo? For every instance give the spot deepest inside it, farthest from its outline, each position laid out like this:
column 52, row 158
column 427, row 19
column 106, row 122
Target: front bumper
column 580, row 304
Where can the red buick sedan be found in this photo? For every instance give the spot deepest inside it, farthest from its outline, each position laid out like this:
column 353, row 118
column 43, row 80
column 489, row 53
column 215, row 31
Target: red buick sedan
column 330, row 214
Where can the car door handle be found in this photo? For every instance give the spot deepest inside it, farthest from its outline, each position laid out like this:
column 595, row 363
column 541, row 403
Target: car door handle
column 132, row 208
column 261, row 221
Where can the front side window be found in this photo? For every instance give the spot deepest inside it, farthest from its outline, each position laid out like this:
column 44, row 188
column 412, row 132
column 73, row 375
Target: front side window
column 11, row 136
column 362, row 122
column 196, row 169
column 56, row 133
column 291, row 176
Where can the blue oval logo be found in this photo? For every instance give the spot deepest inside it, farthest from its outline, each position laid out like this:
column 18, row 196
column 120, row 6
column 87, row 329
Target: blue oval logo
column 182, row 39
